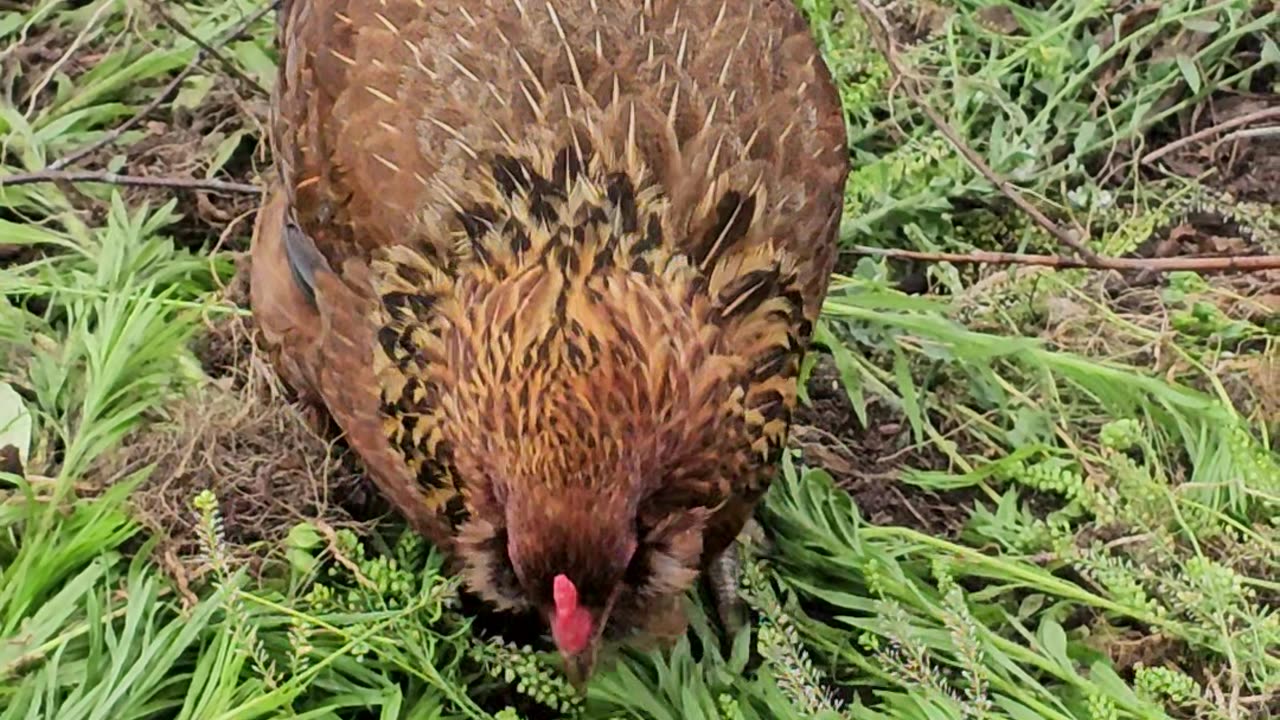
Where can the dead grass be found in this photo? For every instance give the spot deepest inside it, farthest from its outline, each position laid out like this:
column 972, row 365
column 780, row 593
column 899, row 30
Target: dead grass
column 241, row 438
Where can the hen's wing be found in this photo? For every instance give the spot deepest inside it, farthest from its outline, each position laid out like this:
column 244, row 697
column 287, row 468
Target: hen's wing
column 321, row 348
column 319, row 327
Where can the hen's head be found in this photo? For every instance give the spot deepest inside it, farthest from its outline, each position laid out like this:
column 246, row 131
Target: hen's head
column 583, row 560
column 570, row 554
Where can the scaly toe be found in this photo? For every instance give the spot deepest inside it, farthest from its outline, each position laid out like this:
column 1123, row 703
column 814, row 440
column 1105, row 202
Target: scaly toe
column 723, row 575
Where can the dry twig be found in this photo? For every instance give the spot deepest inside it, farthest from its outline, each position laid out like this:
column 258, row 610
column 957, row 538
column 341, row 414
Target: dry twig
column 208, row 49
column 1245, row 263
column 166, row 93
column 888, row 45
column 175, row 183
column 331, row 536
column 1246, row 119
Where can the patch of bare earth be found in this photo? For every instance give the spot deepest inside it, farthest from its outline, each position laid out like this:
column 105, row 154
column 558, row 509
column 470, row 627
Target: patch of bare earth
column 868, row 462
column 1232, row 141
column 182, row 144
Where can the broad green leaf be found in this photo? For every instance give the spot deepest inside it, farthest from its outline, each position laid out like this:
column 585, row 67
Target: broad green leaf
column 223, row 153
column 1054, row 640
column 1190, row 73
column 910, row 395
column 1202, row 25
column 193, row 92
column 15, row 422
column 1270, row 51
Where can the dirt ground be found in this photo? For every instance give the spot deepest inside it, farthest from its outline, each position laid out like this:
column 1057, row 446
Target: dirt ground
column 867, row 462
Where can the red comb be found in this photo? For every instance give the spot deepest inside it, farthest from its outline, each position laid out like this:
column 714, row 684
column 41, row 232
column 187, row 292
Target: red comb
column 572, row 625
column 566, row 595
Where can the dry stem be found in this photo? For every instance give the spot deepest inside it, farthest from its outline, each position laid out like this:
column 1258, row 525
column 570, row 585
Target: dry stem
column 1264, row 114
column 889, row 48
column 176, row 183
column 1246, row 263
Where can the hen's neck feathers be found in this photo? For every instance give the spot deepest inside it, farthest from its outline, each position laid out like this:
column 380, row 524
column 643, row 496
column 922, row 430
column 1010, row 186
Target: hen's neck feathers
column 566, row 345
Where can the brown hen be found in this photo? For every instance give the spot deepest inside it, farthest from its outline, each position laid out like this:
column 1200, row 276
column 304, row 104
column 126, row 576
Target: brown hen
column 551, row 266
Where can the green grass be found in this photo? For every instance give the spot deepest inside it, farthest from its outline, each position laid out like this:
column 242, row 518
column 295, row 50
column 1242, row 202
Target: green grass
column 1110, row 459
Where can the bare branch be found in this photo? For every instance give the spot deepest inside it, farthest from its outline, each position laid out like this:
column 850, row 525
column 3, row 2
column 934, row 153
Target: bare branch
column 889, row 48
column 1244, row 263
column 1264, row 114
column 88, row 176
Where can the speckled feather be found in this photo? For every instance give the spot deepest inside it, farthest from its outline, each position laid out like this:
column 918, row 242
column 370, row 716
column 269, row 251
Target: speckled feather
column 575, row 252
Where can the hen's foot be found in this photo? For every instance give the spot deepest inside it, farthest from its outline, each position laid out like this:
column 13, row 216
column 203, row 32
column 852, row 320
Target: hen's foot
column 753, row 534
column 724, row 575
column 664, row 627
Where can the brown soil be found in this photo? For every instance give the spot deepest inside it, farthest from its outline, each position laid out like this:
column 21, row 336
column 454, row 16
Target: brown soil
column 1237, row 160
column 867, row 462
